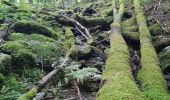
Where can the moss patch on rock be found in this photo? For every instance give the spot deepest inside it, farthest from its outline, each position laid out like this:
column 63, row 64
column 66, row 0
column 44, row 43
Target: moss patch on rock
column 27, row 50
column 5, row 62
column 164, row 57
column 33, row 27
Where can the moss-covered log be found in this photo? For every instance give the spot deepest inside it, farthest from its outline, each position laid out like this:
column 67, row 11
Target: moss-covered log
column 118, row 82
column 86, row 21
column 33, row 27
column 150, row 76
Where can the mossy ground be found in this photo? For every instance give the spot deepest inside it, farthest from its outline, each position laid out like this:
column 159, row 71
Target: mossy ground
column 27, row 50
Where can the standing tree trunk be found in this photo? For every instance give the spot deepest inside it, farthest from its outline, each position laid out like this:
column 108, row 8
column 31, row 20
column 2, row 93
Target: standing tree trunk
column 152, row 82
column 117, row 80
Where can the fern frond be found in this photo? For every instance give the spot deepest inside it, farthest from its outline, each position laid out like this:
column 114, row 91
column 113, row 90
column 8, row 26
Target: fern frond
column 84, row 74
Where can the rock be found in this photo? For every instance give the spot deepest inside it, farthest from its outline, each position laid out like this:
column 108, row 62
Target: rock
column 83, row 50
column 77, row 10
column 33, row 27
column 39, row 96
column 5, row 62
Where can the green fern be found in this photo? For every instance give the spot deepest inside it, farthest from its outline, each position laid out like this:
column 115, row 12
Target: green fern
column 84, row 74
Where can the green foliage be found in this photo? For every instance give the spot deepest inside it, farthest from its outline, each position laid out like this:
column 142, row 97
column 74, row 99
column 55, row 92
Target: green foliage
column 29, row 49
column 11, row 88
column 1, row 78
column 84, row 74
column 33, row 27
column 24, row 6
column 22, row 16
column 5, row 63
column 24, row 59
column 29, row 95
column 2, row 17
column 32, row 74
column 164, row 57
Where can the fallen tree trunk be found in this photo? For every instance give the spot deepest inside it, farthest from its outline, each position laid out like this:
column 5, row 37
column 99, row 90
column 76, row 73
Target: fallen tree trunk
column 150, row 75
column 85, row 21
column 117, row 80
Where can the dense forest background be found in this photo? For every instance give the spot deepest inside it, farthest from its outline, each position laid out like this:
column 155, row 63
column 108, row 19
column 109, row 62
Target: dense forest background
column 84, row 49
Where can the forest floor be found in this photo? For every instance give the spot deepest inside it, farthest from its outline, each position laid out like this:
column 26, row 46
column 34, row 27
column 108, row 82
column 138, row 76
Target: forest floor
column 35, row 43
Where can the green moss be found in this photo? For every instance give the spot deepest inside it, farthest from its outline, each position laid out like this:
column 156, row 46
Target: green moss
column 150, row 75
column 5, row 63
column 94, row 21
column 130, row 29
column 12, row 88
column 164, row 57
column 1, row 78
column 155, row 29
column 29, row 95
column 33, row 27
column 24, row 59
column 131, row 35
column 13, row 47
column 27, row 50
column 2, row 18
column 117, row 78
column 21, row 16
column 34, row 36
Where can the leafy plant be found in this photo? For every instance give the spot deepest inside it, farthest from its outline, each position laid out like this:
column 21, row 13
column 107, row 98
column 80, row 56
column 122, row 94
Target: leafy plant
column 11, row 88
column 81, row 75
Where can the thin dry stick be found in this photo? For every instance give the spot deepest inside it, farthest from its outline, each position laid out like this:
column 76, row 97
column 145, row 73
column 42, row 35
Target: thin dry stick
column 79, row 26
column 78, row 90
column 82, row 33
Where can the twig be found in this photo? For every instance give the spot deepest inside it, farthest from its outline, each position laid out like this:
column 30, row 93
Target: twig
column 78, row 90
column 78, row 25
column 82, row 33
